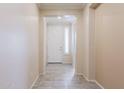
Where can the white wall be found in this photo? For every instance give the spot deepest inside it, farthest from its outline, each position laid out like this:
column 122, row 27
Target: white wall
column 19, row 56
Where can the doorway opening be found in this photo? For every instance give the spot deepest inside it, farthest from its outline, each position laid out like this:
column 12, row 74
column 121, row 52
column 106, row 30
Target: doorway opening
column 60, row 44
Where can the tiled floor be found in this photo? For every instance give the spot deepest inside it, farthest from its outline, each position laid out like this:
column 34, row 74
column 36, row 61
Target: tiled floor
column 60, row 76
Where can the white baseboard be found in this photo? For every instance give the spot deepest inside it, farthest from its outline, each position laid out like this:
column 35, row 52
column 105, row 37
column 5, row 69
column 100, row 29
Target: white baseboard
column 86, row 77
column 99, row 84
column 91, row 80
column 83, row 76
column 34, row 82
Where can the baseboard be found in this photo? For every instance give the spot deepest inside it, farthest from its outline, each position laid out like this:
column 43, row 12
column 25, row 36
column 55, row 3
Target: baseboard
column 99, row 84
column 83, row 76
column 86, row 77
column 68, row 63
column 91, row 80
column 54, row 62
column 34, row 82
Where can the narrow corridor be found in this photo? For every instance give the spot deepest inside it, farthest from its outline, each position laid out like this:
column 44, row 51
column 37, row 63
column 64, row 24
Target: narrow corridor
column 60, row 76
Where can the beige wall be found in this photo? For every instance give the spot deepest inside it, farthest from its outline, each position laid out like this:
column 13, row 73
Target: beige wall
column 19, row 54
column 110, row 45
column 85, row 41
column 88, row 63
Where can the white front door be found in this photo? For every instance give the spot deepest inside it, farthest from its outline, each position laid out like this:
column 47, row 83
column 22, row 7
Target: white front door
column 55, row 43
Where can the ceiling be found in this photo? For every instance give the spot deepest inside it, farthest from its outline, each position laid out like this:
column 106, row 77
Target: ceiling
column 62, row 19
column 44, row 6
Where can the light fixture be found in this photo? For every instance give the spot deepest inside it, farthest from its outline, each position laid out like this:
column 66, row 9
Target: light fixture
column 59, row 17
column 67, row 16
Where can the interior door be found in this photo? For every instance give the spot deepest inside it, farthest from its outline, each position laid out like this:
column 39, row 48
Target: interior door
column 55, row 43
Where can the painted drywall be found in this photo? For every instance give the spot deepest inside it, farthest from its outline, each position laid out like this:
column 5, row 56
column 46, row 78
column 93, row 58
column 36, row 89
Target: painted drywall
column 88, row 42
column 88, row 47
column 19, row 45
column 85, row 41
column 92, row 42
column 85, row 46
column 109, row 36
column 78, row 29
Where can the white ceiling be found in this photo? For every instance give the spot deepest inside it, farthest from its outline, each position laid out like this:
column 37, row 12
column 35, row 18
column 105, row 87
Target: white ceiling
column 64, row 19
column 61, row 5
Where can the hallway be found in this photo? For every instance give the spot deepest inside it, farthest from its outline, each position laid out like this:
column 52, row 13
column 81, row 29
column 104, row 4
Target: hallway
column 60, row 76
column 90, row 36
